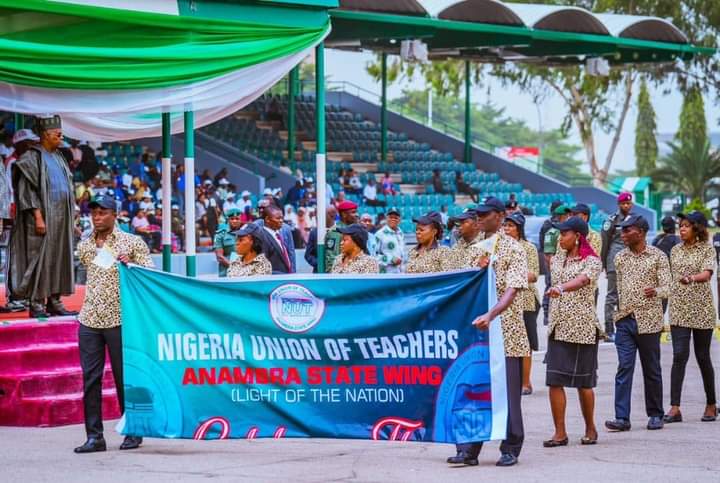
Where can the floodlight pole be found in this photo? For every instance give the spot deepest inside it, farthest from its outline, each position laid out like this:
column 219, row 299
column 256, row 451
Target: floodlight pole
column 292, row 88
column 19, row 121
column 166, row 193
column 320, row 154
column 383, row 111
column 468, row 127
column 190, row 266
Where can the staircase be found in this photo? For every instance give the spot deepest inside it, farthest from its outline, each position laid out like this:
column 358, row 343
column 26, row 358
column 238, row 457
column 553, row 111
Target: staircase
column 40, row 376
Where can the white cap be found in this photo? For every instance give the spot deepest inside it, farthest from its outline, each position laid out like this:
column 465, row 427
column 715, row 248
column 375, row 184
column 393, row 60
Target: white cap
column 223, row 181
column 207, row 182
column 267, row 192
column 276, row 191
column 24, row 135
column 245, row 193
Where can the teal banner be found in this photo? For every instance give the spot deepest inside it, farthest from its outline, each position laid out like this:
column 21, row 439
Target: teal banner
column 373, row 357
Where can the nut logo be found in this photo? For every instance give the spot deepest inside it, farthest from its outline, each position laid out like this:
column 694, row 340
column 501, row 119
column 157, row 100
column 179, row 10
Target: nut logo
column 295, row 309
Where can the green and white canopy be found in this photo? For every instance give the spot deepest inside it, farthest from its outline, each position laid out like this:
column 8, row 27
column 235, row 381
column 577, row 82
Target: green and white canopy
column 111, row 67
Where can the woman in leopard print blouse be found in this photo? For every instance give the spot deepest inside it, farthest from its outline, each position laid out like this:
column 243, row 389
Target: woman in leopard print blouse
column 428, row 256
column 251, row 260
column 354, row 256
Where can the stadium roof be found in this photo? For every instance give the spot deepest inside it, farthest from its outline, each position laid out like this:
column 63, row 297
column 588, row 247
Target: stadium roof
column 493, row 31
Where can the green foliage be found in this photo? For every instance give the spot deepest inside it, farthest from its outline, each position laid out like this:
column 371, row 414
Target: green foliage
column 646, row 148
column 693, row 124
column 697, row 205
column 492, row 127
column 689, row 168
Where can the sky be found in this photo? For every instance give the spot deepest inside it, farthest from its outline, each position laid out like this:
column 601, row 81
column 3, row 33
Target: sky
column 350, row 67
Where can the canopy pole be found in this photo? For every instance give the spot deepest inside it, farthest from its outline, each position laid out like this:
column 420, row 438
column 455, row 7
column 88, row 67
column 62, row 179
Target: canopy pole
column 320, row 154
column 468, row 127
column 383, row 111
column 166, row 170
column 292, row 88
column 19, row 121
column 190, row 266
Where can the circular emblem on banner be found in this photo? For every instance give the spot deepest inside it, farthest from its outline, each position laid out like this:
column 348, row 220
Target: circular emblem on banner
column 295, row 309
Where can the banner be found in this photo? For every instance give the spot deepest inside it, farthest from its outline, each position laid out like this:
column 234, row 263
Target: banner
column 374, row 357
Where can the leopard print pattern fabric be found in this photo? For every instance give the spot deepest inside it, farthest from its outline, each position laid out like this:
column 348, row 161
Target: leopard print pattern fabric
column 464, row 254
column 359, row 265
column 691, row 305
column 427, row 261
column 573, row 317
column 101, row 308
column 258, row 266
column 635, row 273
column 530, row 297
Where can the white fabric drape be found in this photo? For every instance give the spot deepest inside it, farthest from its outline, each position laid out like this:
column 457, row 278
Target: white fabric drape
column 116, row 115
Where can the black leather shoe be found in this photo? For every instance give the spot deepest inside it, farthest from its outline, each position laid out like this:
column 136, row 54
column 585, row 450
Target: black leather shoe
column 462, row 458
column 655, row 422
column 37, row 311
column 92, row 445
column 673, row 418
column 58, row 309
column 507, row 459
column 618, row 425
column 131, row 442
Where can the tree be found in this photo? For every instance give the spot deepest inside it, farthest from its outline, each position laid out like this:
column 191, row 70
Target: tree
column 689, row 168
column 646, row 148
column 693, row 124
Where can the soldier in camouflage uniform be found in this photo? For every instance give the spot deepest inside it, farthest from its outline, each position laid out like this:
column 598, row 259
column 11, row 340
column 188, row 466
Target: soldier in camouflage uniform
column 348, row 216
column 224, row 242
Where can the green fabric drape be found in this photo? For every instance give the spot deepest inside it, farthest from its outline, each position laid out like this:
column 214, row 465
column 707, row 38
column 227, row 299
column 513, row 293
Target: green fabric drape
column 66, row 46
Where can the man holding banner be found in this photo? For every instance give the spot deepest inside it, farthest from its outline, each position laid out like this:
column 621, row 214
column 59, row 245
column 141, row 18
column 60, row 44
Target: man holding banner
column 509, row 262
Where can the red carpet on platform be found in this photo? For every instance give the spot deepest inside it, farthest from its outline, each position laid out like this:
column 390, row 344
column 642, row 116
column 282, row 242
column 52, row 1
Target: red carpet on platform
column 40, row 376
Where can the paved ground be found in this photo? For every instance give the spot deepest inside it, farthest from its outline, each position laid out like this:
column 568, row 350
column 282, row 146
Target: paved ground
column 681, row 452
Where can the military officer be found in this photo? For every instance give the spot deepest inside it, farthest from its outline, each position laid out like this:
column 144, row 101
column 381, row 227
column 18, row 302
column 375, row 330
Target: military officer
column 391, row 244
column 333, row 237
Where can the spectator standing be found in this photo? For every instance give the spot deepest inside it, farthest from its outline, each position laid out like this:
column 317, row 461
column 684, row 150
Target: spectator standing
column 366, row 220
column 391, row 244
column 100, row 316
column 643, row 279
column 464, row 188
column 572, row 356
column 612, row 244
column 692, row 313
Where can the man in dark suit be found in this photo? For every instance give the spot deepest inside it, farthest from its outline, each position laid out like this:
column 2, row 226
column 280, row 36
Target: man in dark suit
column 277, row 240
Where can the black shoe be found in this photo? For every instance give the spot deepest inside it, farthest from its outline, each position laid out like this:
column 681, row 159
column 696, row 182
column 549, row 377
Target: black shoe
column 673, row 418
column 58, row 309
column 507, row 459
column 463, row 458
column 709, row 419
column 655, row 422
column 92, row 445
column 37, row 311
column 618, row 425
column 554, row 443
column 131, row 442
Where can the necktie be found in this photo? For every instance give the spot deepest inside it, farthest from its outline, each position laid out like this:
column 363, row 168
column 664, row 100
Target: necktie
column 286, row 258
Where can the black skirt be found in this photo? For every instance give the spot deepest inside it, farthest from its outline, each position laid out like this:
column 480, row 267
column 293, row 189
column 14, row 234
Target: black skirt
column 571, row 365
column 530, row 319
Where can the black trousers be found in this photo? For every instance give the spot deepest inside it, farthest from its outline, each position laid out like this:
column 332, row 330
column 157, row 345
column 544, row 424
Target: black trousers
column 681, row 353
column 515, row 436
column 92, row 343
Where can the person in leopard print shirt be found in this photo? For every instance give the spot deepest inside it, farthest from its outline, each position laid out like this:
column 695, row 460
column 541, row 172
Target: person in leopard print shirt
column 100, row 315
column 428, row 256
column 354, row 257
column 251, row 260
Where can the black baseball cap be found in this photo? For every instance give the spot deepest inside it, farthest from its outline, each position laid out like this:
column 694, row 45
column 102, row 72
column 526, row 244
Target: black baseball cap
column 490, row 204
column 393, row 210
column 249, row 229
column 517, row 218
column 468, row 214
column 103, row 201
column 581, row 208
column 432, row 217
column 635, row 220
column 694, row 217
column 574, row 223
column 358, row 234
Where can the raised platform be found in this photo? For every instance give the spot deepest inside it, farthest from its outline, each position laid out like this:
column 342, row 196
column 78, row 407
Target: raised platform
column 40, row 375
